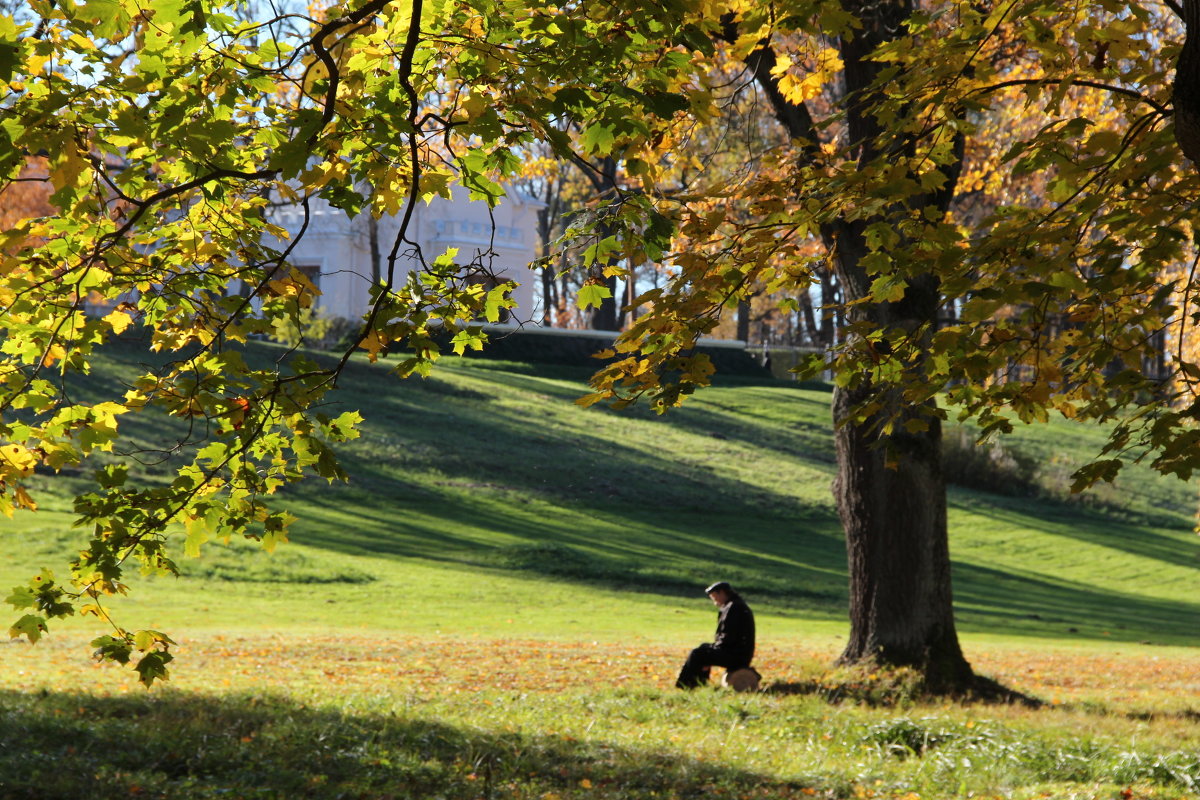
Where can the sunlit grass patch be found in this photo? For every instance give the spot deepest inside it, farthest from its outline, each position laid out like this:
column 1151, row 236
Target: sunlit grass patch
column 325, row 715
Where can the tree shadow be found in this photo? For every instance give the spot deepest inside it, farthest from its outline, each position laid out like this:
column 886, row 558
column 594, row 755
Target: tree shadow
column 485, row 445
column 981, row 691
column 724, row 419
column 1025, row 603
column 175, row 745
column 672, row 555
column 1061, row 519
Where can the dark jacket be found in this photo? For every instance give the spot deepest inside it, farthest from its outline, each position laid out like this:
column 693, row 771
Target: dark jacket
column 735, row 629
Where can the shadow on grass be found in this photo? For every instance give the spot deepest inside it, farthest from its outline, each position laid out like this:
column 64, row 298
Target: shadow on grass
column 483, row 469
column 651, row 551
column 791, row 419
column 902, row 691
column 1186, row 715
column 1072, row 521
column 559, row 455
column 173, row 745
column 990, row 600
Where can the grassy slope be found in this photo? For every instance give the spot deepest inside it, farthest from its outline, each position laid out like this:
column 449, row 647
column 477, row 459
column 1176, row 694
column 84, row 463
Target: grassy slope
column 486, row 484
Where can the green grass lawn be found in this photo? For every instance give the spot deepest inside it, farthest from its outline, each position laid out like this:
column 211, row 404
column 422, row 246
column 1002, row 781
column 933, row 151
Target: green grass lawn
column 488, row 516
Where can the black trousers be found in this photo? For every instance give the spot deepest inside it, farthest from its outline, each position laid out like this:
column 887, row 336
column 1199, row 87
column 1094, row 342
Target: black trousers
column 700, row 662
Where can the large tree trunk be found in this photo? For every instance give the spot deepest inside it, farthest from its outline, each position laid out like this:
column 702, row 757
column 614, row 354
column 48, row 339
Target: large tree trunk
column 894, row 515
column 890, row 491
column 891, row 498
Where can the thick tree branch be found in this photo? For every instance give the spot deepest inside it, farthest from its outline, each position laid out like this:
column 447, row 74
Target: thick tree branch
column 1107, row 87
column 795, row 117
column 317, row 42
column 1186, row 98
column 405, row 70
column 146, row 204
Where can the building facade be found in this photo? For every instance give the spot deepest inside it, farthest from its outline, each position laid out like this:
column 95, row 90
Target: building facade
column 335, row 251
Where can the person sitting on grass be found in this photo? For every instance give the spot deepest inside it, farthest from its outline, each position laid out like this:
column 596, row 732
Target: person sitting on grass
column 733, row 647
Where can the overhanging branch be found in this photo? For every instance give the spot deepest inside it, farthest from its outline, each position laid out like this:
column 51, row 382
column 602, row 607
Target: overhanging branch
column 1107, row 87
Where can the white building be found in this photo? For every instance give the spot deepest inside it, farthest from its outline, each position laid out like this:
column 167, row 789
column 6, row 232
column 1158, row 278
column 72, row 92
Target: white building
column 335, row 251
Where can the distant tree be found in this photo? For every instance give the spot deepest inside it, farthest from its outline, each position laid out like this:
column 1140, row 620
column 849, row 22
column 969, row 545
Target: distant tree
column 27, row 195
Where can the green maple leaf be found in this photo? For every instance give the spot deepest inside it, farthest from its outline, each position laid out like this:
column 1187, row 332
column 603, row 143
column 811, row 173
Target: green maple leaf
column 110, row 648
column 21, row 597
column 153, row 666
column 592, row 294
column 598, row 139
column 30, row 626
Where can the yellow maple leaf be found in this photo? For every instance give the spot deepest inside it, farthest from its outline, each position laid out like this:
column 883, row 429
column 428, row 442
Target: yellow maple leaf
column 119, row 321
column 17, row 461
column 796, row 89
column 22, row 499
column 53, row 353
column 373, row 343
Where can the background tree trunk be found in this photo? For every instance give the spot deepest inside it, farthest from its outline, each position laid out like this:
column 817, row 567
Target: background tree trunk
column 606, row 316
column 808, row 315
column 373, row 244
column 548, row 219
column 743, row 321
column 829, row 298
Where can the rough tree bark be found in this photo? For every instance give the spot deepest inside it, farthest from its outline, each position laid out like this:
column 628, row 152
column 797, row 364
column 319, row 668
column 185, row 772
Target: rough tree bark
column 1186, row 97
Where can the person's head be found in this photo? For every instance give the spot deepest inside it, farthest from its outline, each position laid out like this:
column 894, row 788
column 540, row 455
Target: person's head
column 720, row 593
